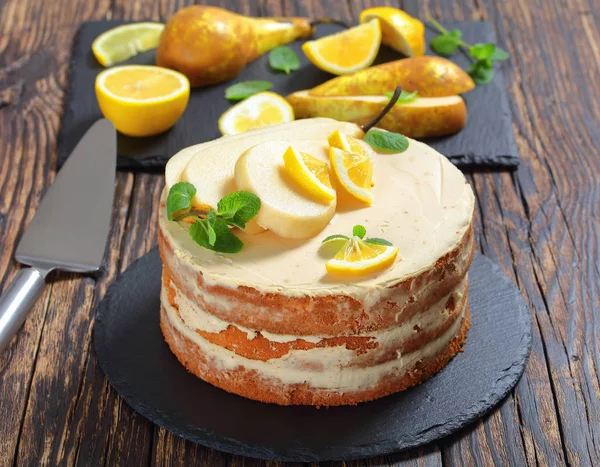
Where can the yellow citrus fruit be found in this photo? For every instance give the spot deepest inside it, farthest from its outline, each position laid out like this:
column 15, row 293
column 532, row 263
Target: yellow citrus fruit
column 354, row 173
column 399, row 30
column 347, row 51
column 142, row 100
column 340, row 140
column 262, row 109
column 310, row 173
column 358, row 257
column 123, row 42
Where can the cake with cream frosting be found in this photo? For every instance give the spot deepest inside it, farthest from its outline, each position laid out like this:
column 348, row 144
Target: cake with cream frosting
column 270, row 322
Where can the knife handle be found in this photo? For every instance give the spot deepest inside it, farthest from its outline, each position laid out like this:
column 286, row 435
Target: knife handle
column 16, row 301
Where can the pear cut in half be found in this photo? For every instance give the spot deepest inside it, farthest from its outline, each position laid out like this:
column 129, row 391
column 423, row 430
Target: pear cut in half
column 286, row 209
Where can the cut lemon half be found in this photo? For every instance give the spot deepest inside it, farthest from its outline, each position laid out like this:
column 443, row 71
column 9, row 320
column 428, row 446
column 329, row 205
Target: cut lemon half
column 310, row 173
column 123, row 42
column 142, row 100
column 347, row 51
column 357, row 258
column 262, row 109
column 399, row 30
column 354, row 173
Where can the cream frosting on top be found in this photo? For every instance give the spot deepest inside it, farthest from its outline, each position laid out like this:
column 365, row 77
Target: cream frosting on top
column 422, row 204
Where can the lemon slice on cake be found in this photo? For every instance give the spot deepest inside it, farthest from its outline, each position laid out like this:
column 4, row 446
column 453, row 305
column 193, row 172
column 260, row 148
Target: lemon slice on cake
column 259, row 110
column 142, row 100
column 399, row 30
column 347, row 51
column 357, row 257
column 353, row 172
column 123, row 42
column 310, row 173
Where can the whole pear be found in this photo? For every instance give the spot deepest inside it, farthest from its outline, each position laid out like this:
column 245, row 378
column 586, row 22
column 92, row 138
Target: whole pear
column 210, row 45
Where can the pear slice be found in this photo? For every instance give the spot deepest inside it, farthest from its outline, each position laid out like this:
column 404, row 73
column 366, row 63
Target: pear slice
column 227, row 149
column 424, row 116
column 285, row 208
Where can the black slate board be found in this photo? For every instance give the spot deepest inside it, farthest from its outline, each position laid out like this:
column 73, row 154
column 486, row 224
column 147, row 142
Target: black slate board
column 486, row 141
column 140, row 366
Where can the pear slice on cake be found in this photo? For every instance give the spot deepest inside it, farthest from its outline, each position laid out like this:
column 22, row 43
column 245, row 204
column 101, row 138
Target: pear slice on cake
column 286, row 208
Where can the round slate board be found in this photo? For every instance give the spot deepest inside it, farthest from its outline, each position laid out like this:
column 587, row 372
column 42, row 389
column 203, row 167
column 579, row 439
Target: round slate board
column 140, row 366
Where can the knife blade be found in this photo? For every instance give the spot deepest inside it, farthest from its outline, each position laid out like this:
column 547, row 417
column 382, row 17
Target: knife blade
column 70, row 227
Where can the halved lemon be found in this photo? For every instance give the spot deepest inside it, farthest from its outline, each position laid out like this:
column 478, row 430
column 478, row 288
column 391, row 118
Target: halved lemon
column 399, row 30
column 347, row 51
column 142, row 100
column 123, row 42
column 310, row 173
column 262, row 109
column 357, row 258
column 354, row 173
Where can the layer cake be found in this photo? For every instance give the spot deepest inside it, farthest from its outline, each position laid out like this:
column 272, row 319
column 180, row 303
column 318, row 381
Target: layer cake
column 269, row 323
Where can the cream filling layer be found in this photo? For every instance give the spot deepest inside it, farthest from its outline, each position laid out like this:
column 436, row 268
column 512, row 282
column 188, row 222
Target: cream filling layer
column 196, row 318
column 320, row 368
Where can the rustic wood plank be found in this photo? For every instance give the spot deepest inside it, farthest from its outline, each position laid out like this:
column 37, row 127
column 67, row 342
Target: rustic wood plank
column 560, row 198
column 29, row 118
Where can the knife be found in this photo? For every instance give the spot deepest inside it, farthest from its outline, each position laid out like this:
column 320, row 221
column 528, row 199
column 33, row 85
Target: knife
column 70, row 227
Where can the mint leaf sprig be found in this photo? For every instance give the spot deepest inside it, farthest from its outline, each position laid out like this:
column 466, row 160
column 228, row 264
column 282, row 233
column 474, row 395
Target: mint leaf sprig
column 283, row 58
column 484, row 55
column 338, row 241
column 211, row 228
column 244, row 89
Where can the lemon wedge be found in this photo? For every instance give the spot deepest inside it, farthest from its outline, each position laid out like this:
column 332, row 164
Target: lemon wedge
column 310, row 173
column 142, row 100
column 358, row 257
column 340, row 140
column 354, row 173
column 347, row 51
column 399, row 30
column 123, row 42
column 259, row 110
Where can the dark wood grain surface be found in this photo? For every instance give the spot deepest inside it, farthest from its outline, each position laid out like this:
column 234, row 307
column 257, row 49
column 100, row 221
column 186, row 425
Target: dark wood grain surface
column 540, row 224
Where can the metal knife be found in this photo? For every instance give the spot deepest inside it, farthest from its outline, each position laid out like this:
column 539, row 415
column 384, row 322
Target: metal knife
column 70, row 227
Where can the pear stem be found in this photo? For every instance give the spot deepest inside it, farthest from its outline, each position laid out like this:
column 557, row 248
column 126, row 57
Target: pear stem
column 385, row 110
column 316, row 22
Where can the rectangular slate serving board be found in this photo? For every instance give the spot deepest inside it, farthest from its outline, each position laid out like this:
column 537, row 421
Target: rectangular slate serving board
column 487, row 141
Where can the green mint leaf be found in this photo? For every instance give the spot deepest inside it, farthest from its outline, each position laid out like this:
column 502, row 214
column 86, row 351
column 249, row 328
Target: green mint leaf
column 359, row 231
column 212, row 235
column 335, row 237
column 378, row 241
column 179, row 199
column 487, row 63
column 386, row 141
column 199, row 233
column 238, row 208
column 479, row 73
column 404, row 96
column 481, row 51
column 445, row 44
column 225, row 240
column 244, row 89
column 455, row 33
column 499, row 55
column 284, row 59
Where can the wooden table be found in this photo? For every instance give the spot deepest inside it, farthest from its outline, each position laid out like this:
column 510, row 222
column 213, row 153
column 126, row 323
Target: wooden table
column 540, row 224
